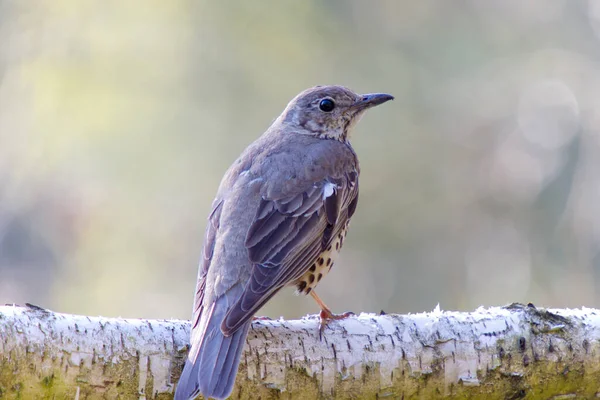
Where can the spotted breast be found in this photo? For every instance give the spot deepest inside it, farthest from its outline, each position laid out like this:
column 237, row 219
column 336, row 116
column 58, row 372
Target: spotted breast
column 322, row 265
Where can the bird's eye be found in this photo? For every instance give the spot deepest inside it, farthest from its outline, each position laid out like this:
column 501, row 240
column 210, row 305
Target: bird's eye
column 327, row 105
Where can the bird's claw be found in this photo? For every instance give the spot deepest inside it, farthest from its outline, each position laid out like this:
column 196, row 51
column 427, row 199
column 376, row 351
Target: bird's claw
column 327, row 316
column 255, row 318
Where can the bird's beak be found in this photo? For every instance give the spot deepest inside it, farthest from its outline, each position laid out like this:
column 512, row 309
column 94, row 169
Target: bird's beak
column 371, row 100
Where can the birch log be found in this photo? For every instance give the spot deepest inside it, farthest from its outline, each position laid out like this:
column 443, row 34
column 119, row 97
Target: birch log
column 511, row 352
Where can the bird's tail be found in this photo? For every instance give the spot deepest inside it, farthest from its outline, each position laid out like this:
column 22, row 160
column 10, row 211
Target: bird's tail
column 213, row 359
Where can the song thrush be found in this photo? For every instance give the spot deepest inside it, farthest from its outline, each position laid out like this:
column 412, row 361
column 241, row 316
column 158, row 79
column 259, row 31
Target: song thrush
column 279, row 218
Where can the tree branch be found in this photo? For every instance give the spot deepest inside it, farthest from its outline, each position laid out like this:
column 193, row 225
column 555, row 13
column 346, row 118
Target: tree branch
column 511, row 352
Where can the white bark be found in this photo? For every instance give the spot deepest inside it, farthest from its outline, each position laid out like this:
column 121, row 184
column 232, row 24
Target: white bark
column 510, row 352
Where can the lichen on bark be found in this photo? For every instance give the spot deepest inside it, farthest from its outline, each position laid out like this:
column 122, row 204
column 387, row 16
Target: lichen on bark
column 511, row 352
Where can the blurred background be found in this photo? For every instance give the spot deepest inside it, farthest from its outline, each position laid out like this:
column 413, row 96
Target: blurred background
column 480, row 183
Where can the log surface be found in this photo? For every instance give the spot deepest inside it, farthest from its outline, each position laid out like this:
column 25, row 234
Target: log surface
column 508, row 352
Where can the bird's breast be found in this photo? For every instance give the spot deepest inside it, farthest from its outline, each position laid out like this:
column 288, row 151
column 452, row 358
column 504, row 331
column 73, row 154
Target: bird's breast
column 322, row 265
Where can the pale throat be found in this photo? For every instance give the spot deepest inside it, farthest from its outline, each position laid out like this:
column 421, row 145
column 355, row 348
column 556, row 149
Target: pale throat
column 323, row 130
column 338, row 130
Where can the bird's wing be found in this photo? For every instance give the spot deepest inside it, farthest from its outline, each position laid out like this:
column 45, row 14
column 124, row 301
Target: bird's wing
column 286, row 237
column 207, row 252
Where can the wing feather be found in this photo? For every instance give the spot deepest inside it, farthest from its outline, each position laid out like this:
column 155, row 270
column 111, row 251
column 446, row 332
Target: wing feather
column 287, row 236
column 207, row 252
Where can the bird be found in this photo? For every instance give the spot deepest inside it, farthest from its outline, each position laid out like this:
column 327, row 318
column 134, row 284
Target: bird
column 279, row 219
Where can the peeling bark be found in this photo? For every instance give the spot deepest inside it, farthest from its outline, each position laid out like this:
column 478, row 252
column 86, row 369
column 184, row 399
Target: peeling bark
column 497, row 353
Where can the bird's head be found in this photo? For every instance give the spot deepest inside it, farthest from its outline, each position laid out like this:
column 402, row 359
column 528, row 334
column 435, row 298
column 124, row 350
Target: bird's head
column 329, row 112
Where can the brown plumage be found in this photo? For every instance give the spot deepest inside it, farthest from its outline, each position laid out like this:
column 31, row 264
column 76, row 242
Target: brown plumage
column 280, row 218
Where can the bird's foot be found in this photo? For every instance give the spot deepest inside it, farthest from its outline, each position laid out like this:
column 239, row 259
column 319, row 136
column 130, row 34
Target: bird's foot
column 255, row 318
column 326, row 316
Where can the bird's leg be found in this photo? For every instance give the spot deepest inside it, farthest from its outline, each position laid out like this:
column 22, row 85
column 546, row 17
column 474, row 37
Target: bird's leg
column 326, row 314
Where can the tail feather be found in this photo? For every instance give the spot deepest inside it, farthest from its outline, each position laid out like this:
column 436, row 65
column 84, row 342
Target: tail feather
column 232, row 362
column 212, row 363
column 218, row 362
